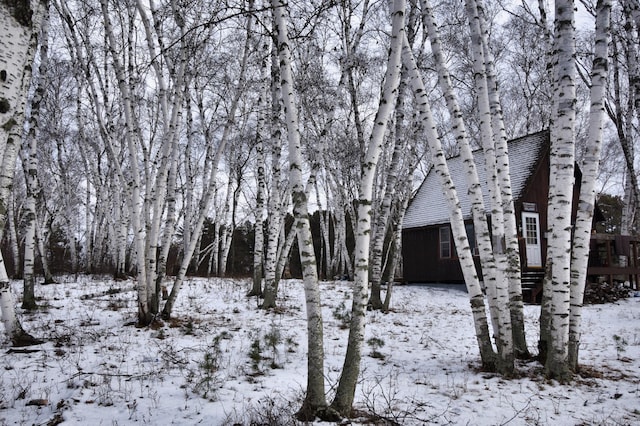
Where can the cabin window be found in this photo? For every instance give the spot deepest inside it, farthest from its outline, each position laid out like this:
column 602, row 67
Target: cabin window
column 471, row 236
column 445, row 242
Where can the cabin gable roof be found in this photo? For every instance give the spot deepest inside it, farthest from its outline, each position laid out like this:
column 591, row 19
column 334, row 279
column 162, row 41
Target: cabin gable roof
column 429, row 206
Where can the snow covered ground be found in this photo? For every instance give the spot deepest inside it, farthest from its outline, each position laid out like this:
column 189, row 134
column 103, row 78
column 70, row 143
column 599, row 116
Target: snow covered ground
column 223, row 361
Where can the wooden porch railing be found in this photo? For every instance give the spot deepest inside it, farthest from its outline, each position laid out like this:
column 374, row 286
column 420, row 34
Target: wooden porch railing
column 614, row 258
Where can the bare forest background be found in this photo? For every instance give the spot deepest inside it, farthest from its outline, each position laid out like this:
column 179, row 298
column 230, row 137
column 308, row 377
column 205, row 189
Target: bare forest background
column 80, row 207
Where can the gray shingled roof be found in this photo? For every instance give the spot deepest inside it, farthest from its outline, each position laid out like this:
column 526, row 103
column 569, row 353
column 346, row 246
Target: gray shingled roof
column 428, row 206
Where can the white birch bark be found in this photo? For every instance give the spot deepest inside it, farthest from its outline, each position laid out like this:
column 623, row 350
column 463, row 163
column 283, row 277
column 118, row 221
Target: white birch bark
column 20, row 28
column 384, row 210
column 258, row 242
column 227, row 228
column 171, row 103
column 561, row 188
column 471, row 175
column 42, row 227
column 276, row 204
column 30, row 166
column 467, row 264
column 135, row 199
column 511, row 247
column 500, row 290
column 591, row 161
column 315, row 397
column 117, row 217
column 345, row 391
column 13, row 237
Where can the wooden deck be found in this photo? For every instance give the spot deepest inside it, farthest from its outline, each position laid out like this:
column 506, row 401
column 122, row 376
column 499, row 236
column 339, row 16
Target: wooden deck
column 614, row 258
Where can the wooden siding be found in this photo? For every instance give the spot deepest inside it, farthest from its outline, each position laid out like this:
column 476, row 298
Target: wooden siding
column 421, row 258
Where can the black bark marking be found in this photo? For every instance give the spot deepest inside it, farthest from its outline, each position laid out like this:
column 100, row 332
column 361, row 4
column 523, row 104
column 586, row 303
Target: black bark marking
column 21, row 11
column 4, row 106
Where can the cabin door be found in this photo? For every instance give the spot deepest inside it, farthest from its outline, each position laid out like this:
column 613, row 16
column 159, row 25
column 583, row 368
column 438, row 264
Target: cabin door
column 531, row 231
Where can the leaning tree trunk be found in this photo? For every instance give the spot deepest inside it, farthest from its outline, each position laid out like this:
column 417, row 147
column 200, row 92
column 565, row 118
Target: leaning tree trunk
column 561, row 189
column 314, row 401
column 476, row 296
column 210, row 190
column 345, row 391
column 471, row 175
column 513, row 265
column 586, row 207
column 384, row 211
column 497, row 288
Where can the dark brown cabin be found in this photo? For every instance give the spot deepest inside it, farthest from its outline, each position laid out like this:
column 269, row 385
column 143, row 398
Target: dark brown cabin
column 428, row 250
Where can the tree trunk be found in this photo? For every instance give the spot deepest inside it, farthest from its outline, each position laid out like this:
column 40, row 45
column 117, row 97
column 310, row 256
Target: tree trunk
column 314, row 399
column 513, row 261
column 345, row 391
column 480, row 225
column 584, row 218
column 258, row 242
column 13, row 238
column 384, row 212
column 134, row 198
column 276, row 223
column 20, row 29
column 561, row 188
column 210, row 189
column 487, row 354
column 497, row 288
column 41, row 237
column 30, row 166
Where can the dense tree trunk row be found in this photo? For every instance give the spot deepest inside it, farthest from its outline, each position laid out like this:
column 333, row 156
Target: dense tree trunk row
column 157, row 134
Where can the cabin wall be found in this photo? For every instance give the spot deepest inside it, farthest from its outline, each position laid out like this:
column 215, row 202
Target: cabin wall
column 421, row 248
column 421, row 258
column 536, row 193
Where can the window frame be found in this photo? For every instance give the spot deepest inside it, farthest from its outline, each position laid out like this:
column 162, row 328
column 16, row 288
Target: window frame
column 444, row 246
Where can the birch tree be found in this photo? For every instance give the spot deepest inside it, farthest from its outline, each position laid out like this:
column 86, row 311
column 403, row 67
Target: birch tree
column 20, row 26
column 476, row 296
column 314, row 401
column 278, row 243
column 30, row 166
column 511, row 258
column 487, row 259
column 586, row 206
column 561, row 189
column 210, row 188
column 345, row 391
column 497, row 286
